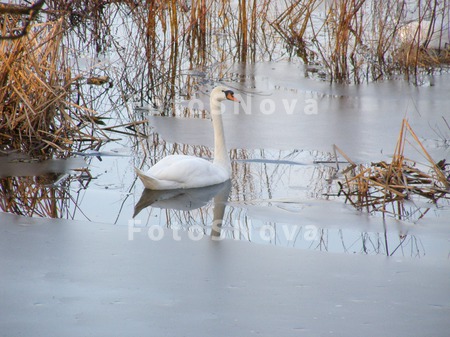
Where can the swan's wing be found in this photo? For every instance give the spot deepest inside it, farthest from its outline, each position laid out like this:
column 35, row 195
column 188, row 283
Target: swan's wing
column 188, row 171
column 162, row 166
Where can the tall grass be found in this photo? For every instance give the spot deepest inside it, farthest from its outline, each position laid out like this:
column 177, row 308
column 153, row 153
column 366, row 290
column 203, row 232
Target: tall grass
column 36, row 114
column 160, row 47
column 361, row 40
column 387, row 187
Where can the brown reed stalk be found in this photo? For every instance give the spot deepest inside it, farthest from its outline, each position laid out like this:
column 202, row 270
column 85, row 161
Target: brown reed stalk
column 382, row 185
column 36, row 116
column 293, row 23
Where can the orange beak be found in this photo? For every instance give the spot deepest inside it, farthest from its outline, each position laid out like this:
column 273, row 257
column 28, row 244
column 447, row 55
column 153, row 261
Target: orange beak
column 231, row 97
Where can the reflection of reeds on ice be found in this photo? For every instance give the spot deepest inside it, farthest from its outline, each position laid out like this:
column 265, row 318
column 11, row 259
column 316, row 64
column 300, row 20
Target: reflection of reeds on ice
column 47, row 195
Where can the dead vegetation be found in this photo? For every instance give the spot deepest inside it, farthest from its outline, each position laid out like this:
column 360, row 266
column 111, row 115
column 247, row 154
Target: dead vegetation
column 24, row 15
column 412, row 59
column 45, row 109
column 38, row 115
column 360, row 40
column 387, row 187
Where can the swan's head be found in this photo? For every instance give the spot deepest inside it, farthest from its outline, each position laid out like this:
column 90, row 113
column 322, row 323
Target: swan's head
column 223, row 93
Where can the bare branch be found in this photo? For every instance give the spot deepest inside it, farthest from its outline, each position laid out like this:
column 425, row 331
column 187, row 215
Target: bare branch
column 30, row 12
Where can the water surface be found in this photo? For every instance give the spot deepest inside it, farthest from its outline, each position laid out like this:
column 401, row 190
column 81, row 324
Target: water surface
column 281, row 185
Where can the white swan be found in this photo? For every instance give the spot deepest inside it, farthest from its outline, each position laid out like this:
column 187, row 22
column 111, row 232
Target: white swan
column 180, row 171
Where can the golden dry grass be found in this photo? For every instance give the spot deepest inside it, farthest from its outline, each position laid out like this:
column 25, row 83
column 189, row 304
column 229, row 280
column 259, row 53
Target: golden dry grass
column 384, row 187
column 36, row 114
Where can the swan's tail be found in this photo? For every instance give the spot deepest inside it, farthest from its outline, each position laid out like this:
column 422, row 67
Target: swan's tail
column 149, row 182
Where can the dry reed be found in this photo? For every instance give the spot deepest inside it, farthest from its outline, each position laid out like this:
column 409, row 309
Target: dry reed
column 384, row 187
column 361, row 40
column 36, row 114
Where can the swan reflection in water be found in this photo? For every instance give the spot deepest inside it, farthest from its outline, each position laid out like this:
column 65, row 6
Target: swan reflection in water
column 187, row 200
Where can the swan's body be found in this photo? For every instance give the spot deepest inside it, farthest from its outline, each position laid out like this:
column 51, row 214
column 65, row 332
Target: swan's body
column 179, row 171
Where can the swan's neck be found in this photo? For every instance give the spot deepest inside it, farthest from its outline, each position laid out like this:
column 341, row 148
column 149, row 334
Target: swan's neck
column 221, row 157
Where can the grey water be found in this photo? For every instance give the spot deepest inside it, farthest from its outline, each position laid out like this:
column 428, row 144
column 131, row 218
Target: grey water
column 282, row 189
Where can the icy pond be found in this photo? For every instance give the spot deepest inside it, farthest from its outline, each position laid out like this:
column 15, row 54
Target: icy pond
column 280, row 139
column 289, row 257
column 279, row 250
